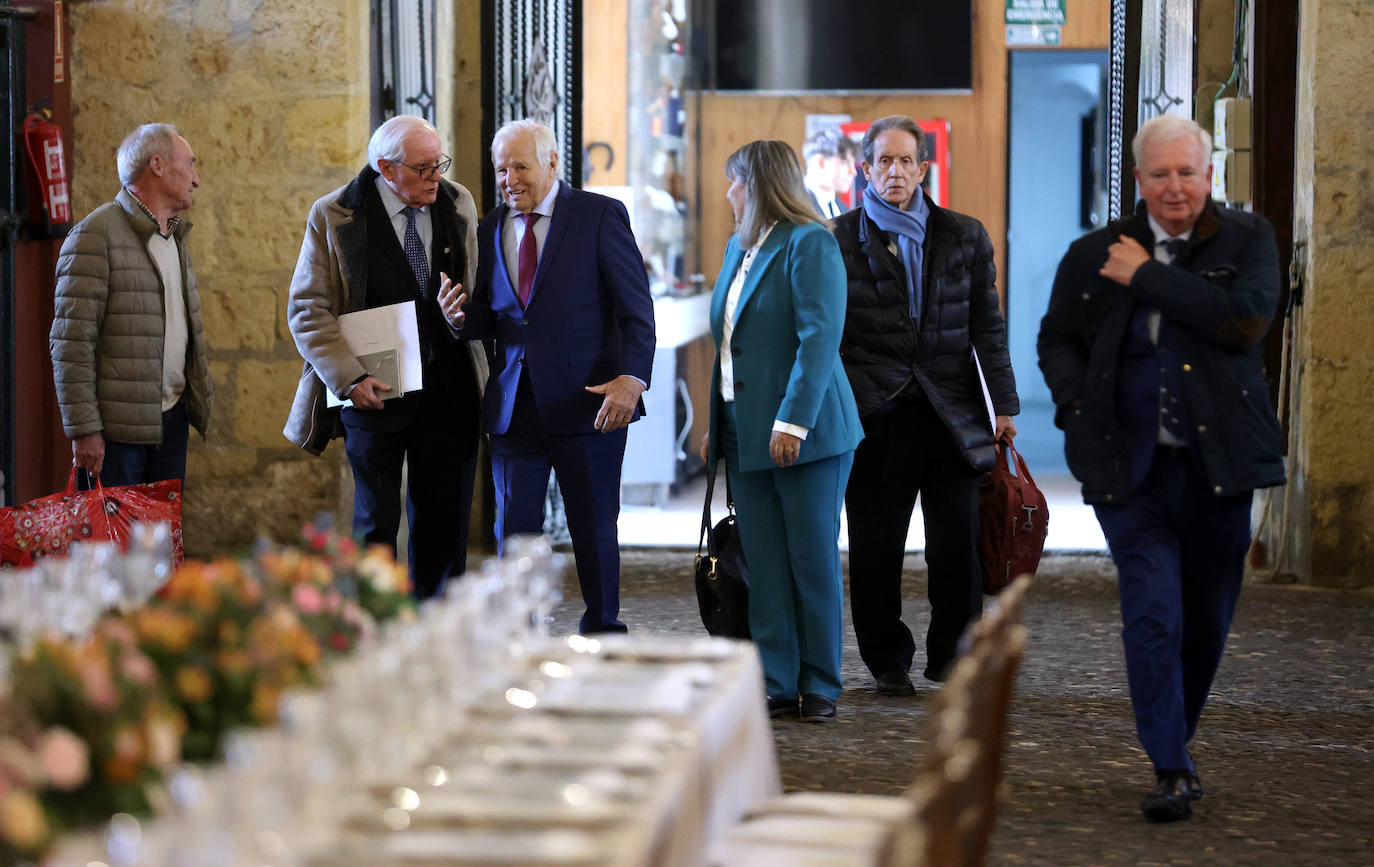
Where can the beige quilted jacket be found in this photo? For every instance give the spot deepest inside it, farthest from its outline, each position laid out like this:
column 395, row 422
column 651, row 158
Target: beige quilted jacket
column 107, row 329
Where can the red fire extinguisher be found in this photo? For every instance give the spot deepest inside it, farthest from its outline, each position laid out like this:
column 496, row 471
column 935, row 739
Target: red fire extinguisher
column 43, row 139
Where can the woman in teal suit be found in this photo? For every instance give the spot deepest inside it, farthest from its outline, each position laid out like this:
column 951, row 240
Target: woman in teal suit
column 784, row 417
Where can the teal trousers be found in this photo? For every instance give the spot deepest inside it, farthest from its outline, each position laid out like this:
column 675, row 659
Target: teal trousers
column 789, row 525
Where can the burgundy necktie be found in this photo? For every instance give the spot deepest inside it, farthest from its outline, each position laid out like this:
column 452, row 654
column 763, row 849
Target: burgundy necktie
column 529, row 259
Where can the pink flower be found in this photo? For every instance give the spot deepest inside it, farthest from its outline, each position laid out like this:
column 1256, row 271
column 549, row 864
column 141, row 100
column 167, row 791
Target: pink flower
column 119, row 631
column 307, row 598
column 65, row 760
column 333, row 600
column 138, row 668
column 98, row 686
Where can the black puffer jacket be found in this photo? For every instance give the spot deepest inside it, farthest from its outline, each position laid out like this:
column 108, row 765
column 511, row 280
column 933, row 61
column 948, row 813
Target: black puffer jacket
column 886, row 354
column 1220, row 294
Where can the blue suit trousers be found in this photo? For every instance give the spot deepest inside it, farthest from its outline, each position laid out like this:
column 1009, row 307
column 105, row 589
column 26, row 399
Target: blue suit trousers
column 1180, row 556
column 588, row 471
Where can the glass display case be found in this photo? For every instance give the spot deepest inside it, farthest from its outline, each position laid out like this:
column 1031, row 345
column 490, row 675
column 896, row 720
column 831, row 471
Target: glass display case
column 661, row 160
column 660, row 146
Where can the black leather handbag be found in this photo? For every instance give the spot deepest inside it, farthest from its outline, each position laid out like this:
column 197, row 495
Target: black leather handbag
column 722, row 576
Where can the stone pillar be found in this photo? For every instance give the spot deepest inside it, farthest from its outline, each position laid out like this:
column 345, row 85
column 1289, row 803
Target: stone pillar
column 1330, row 515
column 273, row 97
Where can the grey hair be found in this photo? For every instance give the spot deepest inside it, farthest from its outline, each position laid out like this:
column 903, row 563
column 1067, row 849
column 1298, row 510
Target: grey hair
column 1169, row 127
column 136, row 151
column 894, row 121
column 388, row 142
column 545, row 143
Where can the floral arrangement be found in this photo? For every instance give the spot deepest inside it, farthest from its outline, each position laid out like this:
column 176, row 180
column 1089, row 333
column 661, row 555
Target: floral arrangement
column 90, row 725
column 104, row 693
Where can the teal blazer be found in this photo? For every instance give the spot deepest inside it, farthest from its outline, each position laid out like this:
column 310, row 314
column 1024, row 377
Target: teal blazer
column 786, row 346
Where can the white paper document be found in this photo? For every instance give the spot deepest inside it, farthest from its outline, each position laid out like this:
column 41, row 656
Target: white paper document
column 378, row 331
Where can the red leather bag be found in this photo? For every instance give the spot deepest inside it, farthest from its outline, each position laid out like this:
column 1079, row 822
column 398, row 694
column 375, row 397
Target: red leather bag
column 1015, row 521
column 48, row 526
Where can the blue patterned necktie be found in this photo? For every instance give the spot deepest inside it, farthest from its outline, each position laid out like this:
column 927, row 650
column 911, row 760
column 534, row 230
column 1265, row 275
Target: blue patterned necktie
column 1173, row 247
column 415, row 251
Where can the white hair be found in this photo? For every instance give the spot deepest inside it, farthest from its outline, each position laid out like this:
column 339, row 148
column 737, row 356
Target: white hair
column 136, row 151
column 545, row 143
column 388, row 142
column 1166, row 128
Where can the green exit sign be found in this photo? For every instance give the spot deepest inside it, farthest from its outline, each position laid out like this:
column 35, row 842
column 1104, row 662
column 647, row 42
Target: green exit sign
column 1037, row 12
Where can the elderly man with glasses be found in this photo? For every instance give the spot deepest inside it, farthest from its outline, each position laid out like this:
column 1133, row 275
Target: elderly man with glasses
column 397, row 232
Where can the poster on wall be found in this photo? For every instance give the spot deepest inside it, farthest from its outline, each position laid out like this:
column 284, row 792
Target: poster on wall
column 829, row 162
column 936, row 151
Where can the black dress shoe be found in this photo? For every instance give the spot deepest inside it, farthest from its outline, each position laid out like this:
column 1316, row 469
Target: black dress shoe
column 817, row 709
column 1195, row 785
column 781, row 707
column 895, row 682
column 1169, row 802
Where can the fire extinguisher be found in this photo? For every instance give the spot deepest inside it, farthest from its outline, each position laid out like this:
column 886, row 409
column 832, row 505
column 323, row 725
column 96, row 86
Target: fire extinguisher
column 43, row 140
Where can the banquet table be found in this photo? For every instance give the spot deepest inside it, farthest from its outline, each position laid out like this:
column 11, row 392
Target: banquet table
column 619, row 750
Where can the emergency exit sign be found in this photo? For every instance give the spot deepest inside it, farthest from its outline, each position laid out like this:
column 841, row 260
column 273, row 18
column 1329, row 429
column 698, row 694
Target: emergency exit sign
column 1035, row 22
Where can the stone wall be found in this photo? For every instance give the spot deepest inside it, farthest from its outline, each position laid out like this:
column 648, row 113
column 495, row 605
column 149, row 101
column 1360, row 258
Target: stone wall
column 1332, row 511
column 273, row 97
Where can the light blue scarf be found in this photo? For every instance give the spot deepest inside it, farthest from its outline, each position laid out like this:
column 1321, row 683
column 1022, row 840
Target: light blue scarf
column 909, row 228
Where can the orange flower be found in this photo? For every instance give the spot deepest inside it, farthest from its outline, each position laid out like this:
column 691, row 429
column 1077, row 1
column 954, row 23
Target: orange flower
column 128, row 757
column 233, row 661
column 266, row 698
column 194, row 684
column 21, row 820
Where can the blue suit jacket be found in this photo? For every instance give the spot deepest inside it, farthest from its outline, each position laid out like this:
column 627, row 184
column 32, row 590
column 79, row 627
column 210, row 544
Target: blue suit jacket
column 590, row 317
column 786, row 345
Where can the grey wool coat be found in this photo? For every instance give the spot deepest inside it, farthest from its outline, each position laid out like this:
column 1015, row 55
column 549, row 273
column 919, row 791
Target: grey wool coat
column 108, row 326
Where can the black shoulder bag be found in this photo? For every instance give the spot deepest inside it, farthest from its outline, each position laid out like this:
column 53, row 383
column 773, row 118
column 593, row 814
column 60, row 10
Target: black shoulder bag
column 722, row 576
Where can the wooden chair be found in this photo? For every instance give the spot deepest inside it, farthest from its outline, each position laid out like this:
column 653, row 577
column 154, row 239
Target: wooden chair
column 948, row 814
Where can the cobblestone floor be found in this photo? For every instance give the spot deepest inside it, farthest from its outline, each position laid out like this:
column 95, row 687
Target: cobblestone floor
column 1285, row 748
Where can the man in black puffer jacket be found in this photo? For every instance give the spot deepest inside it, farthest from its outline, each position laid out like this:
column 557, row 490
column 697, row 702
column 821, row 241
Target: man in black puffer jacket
column 1152, row 349
column 922, row 298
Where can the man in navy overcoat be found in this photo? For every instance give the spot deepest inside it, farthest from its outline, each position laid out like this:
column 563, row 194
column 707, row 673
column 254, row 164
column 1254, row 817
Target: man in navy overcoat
column 1153, row 350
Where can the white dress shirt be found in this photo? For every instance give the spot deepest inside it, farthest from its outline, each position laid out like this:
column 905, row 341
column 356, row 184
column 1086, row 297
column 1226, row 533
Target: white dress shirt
column 727, row 365
column 395, row 209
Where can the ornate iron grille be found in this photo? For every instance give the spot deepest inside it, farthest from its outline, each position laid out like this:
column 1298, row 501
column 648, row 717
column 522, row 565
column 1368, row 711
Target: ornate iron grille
column 532, row 67
column 402, row 59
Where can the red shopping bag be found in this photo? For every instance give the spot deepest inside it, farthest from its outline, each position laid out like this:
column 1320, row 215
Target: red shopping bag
column 48, row 526
column 1015, row 521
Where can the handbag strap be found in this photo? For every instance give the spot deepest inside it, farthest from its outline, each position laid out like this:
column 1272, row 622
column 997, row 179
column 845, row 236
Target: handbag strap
column 707, row 527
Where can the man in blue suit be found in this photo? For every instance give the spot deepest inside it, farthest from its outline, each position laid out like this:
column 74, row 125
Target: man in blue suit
column 562, row 289
column 1152, row 348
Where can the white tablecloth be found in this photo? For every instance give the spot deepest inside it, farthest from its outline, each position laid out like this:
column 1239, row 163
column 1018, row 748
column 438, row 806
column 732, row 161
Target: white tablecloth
column 707, row 693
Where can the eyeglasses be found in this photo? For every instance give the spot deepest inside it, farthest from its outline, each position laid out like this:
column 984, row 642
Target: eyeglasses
column 430, row 170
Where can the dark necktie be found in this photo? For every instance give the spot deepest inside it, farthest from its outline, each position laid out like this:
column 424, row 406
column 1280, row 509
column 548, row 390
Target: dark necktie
column 415, row 251
column 529, row 259
column 1174, row 413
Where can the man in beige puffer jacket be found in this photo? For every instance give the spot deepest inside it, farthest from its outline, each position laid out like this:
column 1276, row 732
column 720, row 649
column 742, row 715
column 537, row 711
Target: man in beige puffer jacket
column 128, row 352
